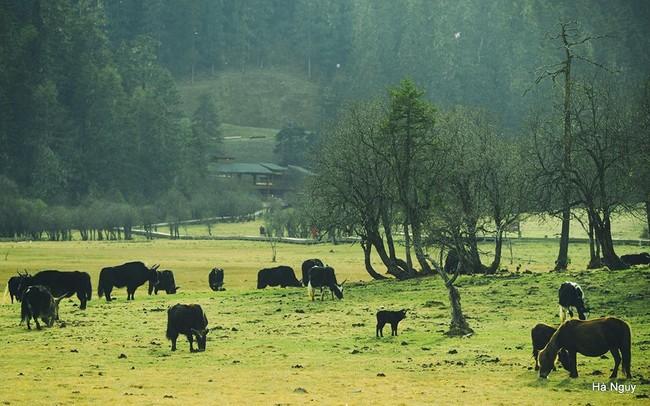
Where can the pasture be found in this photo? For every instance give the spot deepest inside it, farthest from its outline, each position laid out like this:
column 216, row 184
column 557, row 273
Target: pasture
column 276, row 347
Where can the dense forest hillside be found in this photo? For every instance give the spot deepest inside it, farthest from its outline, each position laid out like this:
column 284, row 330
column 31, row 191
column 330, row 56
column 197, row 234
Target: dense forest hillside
column 122, row 101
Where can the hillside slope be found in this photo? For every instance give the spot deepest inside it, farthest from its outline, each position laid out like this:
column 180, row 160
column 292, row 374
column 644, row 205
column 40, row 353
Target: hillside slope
column 257, row 98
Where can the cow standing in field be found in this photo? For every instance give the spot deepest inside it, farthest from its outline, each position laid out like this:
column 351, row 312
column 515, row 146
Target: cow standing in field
column 391, row 317
column 165, row 282
column 189, row 320
column 570, row 296
column 37, row 301
column 132, row 275
column 324, row 277
column 13, row 286
column 215, row 279
column 282, row 276
column 306, row 266
column 61, row 283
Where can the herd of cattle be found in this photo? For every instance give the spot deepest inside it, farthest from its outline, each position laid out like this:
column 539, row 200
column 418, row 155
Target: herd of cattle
column 40, row 295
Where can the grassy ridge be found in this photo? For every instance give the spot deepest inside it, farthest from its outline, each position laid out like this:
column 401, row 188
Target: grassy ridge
column 265, row 98
column 277, row 347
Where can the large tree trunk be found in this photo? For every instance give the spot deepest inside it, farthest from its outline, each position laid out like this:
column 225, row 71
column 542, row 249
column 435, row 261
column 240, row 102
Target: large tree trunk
column 603, row 231
column 498, row 247
column 562, row 261
column 367, row 250
column 647, row 213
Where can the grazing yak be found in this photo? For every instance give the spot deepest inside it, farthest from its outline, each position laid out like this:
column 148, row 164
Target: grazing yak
column 306, row 266
column 541, row 334
column 61, row 283
column 636, row 259
column 570, row 296
column 282, row 276
column 391, row 317
column 215, row 279
column 324, row 277
column 37, row 301
column 13, row 286
column 132, row 275
column 189, row 320
column 165, row 282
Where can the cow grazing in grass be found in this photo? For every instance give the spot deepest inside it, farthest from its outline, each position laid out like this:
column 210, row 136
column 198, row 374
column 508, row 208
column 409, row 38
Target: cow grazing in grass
column 306, row 266
column 541, row 335
column 215, row 279
column 189, row 320
column 61, row 283
column 132, row 275
column 324, row 277
column 38, row 302
column 165, row 282
column 282, row 276
column 570, row 296
column 13, row 286
column 636, row 259
column 391, row 317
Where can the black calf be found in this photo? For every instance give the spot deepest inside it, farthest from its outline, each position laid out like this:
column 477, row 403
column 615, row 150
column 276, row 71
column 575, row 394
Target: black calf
column 388, row 316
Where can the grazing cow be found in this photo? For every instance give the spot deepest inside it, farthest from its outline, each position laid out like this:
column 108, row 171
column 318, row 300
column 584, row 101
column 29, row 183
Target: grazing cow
column 391, row 317
column 636, row 259
column 541, row 335
column 13, row 286
column 215, row 279
column 189, row 320
column 165, row 282
column 571, row 297
column 306, row 266
column 279, row 276
column 324, row 277
column 37, row 301
column 61, row 283
column 132, row 275
column 592, row 338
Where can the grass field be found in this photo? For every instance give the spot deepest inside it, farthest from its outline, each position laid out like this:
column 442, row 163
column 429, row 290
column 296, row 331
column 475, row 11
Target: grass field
column 276, row 347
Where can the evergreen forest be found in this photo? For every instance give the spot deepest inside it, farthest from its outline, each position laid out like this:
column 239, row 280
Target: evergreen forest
column 94, row 133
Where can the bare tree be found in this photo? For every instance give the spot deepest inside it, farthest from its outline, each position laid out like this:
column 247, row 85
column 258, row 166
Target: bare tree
column 570, row 38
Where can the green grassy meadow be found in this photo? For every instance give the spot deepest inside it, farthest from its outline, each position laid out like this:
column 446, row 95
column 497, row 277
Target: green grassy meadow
column 276, row 347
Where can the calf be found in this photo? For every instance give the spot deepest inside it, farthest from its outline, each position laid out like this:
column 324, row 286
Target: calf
column 541, row 335
column 37, row 301
column 389, row 316
column 324, row 277
column 165, row 282
column 571, row 297
column 189, row 320
column 215, row 279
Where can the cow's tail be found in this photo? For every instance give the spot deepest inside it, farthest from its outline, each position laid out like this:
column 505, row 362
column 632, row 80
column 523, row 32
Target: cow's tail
column 4, row 296
column 626, row 350
column 100, row 285
column 24, row 311
column 87, row 287
column 310, row 291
